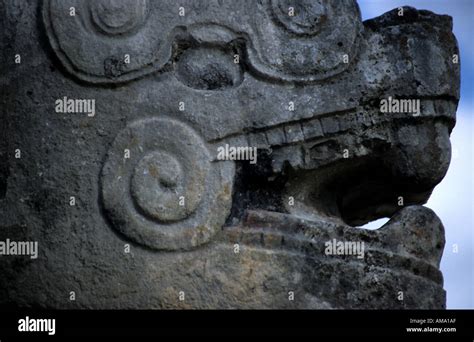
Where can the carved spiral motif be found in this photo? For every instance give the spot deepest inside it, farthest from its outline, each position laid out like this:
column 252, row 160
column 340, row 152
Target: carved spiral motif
column 167, row 195
column 92, row 40
column 305, row 40
column 302, row 16
column 115, row 17
column 289, row 40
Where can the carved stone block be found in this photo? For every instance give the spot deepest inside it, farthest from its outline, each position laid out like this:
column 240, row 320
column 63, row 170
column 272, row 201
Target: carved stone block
column 114, row 121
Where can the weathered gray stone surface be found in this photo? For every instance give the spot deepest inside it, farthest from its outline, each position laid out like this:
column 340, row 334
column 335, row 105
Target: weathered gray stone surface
column 226, row 72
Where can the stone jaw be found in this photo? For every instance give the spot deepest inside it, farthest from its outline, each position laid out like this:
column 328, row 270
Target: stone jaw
column 404, row 253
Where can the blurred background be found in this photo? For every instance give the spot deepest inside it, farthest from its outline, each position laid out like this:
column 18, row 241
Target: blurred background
column 452, row 200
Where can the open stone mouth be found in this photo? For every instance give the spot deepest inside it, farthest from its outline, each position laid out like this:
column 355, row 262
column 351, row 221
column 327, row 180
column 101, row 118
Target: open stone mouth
column 301, row 203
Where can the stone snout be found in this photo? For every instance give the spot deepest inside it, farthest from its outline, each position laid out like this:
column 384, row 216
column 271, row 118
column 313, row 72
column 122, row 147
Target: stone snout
column 372, row 172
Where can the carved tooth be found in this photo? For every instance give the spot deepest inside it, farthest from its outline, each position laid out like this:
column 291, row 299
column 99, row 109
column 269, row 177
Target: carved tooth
column 312, row 129
column 294, row 133
column 330, row 124
column 276, row 136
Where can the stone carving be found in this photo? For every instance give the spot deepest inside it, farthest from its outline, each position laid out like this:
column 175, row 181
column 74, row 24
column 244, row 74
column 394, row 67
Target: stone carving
column 92, row 41
column 217, row 73
column 114, row 17
column 134, row 207
column 160, row 188
column 316, row 45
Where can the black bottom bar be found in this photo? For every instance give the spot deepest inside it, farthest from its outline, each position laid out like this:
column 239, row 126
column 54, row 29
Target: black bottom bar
column 417, row 324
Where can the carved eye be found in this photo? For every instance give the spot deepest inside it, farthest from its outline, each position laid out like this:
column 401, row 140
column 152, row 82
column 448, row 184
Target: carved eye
column 115, row 17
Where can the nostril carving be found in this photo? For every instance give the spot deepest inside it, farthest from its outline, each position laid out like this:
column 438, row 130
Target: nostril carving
column 208, row 69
